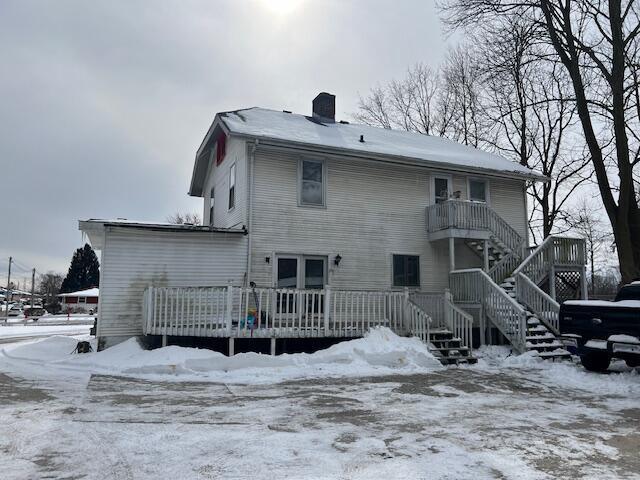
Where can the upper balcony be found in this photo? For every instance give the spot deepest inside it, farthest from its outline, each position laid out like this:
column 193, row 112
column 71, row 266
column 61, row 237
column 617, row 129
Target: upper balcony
column 474, row 220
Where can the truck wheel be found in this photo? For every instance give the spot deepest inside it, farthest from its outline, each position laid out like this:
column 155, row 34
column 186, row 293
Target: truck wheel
column 596, row 362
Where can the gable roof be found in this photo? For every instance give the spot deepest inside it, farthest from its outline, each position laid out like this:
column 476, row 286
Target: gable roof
column 301, row 130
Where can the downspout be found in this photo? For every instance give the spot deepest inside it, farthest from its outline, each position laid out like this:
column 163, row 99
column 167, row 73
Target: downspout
column 251, row 167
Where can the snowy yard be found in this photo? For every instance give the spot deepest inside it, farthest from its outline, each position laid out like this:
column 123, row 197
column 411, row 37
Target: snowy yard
column 359, row 410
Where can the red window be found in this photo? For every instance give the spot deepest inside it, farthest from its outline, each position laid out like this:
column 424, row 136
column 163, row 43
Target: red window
column 220, row 151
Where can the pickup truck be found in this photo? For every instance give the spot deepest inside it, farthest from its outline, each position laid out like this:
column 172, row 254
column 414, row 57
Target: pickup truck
column 599, row 331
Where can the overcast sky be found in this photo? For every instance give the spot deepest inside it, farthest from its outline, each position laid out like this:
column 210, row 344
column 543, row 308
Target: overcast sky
column 103, row 104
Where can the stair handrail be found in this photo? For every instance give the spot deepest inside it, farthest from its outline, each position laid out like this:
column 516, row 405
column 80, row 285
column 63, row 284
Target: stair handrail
column 534, row 255
column 417, row 321
column 538, row 301
column 459, row 322
column 515, row 327
column 503, row 268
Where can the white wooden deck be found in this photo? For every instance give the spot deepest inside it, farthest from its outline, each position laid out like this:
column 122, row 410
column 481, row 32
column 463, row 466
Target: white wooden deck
column 234, row 312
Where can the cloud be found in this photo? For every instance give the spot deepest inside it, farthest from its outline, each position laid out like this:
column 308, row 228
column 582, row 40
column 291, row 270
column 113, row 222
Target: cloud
column 105, row 103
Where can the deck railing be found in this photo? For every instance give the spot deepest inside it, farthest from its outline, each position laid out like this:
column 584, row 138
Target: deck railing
column 445, row 314
column 554, row 252
column 458, row 321
column 545, row 307
column 287, row 313
column 475, row 286
column 466, row 215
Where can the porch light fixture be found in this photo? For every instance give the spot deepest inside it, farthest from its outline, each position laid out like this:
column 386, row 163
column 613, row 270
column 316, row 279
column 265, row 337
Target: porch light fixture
column 337, row 260
column 267, row 259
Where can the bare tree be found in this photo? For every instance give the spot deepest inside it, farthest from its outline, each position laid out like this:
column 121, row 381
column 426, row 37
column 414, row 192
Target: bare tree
column 187, row 218
column 49, row 287
column 586, row 220
column 534, row 120
column 409, row 104
column 444, row 102
column 597, row 43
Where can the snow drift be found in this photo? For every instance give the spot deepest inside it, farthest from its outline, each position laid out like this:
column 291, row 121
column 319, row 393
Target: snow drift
column 380, row 352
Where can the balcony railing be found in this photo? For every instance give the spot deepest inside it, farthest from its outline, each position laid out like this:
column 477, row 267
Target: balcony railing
column 466, row 215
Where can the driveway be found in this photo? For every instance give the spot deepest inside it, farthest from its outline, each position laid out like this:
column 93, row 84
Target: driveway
column 459, row 423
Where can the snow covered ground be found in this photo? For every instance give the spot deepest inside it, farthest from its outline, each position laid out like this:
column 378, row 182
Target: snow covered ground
column 379, row 407
column 13, row 332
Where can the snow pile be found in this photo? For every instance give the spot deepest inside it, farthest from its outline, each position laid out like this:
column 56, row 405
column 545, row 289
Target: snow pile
column 620, row 380
column 379, row 352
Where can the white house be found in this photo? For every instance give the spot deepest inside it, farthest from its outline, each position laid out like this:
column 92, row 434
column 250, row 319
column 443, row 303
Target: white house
column 350, row 216
column 82, row 301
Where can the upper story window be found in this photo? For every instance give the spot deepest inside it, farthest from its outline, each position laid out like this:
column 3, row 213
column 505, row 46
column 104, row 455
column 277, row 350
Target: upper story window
column 212, row 201
column 478, row 190
column 406, row 271
column 441, row 188
column 311, row 184
column 232, row 186
column 221, row 148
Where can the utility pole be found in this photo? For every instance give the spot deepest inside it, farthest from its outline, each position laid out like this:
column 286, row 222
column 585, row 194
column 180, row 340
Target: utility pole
column 7, row 294
column 33, row 282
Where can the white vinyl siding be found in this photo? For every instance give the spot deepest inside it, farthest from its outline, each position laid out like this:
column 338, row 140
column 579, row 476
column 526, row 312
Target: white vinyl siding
column 218, row 180
column 133, row 259
column 372, row 211
column 508, row 200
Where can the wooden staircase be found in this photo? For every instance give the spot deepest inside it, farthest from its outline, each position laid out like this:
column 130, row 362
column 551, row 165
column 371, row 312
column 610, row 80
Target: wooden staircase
column 449, row 349
column 539, row 338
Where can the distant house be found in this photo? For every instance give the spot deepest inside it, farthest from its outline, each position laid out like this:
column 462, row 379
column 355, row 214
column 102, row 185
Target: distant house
column 83, row 301
column 320, row 228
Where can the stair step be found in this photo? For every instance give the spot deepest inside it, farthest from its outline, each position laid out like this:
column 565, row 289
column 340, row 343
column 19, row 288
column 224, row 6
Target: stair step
column 462, row 350
column 538, row 328
column 540, row 338
column 560, row 353
column 533, row 321
column 544, row 346
column 454, row 342
column 459, row 361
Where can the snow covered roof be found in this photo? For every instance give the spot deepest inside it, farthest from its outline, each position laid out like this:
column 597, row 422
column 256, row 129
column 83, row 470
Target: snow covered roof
column 344, row 138
column 91, row 292
column 94, row 228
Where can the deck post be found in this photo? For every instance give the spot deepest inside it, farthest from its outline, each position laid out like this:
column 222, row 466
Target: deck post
column 552, row 281
column 231, row 345
column 583, row 283
column 327, row 309
column 164, row 340
column 229, row 309
column 452, row 254
column 273, row 345
column 486, row 255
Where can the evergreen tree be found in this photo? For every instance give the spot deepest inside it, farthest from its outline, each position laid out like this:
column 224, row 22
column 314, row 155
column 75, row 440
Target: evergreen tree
column 83, row 272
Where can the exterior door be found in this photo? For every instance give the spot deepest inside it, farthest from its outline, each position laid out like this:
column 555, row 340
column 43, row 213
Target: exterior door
column 315, row 272
column 441, row 189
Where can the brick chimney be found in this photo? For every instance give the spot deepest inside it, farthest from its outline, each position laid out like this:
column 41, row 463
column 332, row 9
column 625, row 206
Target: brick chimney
column 324, row 107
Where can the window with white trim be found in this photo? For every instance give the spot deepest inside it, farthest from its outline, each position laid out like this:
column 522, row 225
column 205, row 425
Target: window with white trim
column 232, row 186
column 311, row 183
column 478, row 190
column 406, row 271
column 212, row 202
column 82, row 299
